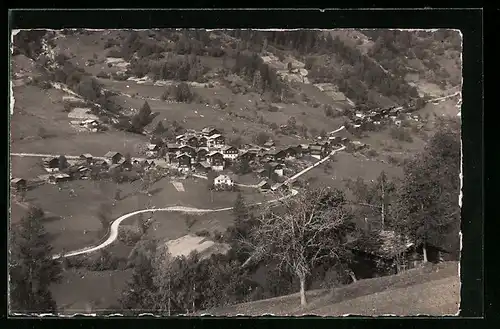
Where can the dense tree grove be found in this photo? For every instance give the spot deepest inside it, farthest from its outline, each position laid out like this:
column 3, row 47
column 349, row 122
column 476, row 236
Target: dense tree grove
column 427, row 206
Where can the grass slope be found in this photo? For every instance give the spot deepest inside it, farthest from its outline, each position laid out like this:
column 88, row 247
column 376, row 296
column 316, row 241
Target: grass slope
column 429, row 290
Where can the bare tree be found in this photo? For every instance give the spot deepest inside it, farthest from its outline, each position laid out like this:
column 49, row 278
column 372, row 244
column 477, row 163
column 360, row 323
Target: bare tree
column 312, row 227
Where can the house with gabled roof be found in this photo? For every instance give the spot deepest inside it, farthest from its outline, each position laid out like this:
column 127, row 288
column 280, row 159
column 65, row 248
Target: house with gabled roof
column 113, row 157
column 215, row 141
column 216, row 160
column 188, row 150
column 202, row 141
column 191, row 140
column 87, row 157
column 184, row 161
column 276, row 168
column 229, row 152
column 210, row 131
column 18, row 183
column 223, row 181
column 201, row 154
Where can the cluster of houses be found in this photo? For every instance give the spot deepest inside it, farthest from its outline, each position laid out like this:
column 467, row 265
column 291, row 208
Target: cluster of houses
column 206, row 150
column 363, row 119
column 60, row 169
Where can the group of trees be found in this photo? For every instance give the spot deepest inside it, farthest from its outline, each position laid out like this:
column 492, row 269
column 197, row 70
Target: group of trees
column 258, row 73
column 181, row 68
column 180, row 92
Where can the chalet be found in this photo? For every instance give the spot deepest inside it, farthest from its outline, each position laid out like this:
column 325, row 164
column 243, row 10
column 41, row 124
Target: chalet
column 276, row 168
column 208, row 131
column 269, row 144
column 184, row 161
column 202, row 141
column 223, row 181
column 229, row 152
column 201, row 154
column 305, row 148
column 153, row 150
column 191, row 141
column 179, row 138
column 187, row 149
column 264, row 185
column 215, row 141
column 18, row 183
column 215, row 158
column 278, row 155
column 173, row 148
column 113, row 157
column 125, row 164
column 59, row 178
column 290, row 152
column 203, row 167
column 248, row 155
column 51, row 163
column 344, row 139
column 87, row 157
column 316, row 151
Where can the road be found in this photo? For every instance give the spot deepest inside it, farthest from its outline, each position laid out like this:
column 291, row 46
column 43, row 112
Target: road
column 113, row 235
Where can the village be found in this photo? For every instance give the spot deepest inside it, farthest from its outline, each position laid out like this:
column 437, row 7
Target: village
column 199, row 153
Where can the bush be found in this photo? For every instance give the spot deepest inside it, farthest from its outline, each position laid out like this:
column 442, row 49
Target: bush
column 128, row 236
column 110, row 64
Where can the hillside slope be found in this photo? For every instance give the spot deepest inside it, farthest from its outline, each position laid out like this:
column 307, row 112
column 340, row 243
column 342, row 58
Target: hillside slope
column 433, row 290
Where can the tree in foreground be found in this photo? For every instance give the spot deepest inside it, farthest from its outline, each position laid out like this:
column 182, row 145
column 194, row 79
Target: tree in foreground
column 309, row 229
column 31, row 267
column 427, row 208
column 140, row 290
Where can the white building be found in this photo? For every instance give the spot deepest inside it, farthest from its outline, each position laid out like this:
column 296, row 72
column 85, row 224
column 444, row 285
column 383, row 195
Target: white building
column 223, row 180
column 230, row 152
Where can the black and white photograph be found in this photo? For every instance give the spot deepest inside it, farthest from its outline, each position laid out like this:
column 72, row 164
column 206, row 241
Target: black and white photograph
column 229, row 172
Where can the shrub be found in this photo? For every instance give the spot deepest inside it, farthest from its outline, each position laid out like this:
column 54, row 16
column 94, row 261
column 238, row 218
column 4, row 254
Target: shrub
column 110, row 64
column 128, row 236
